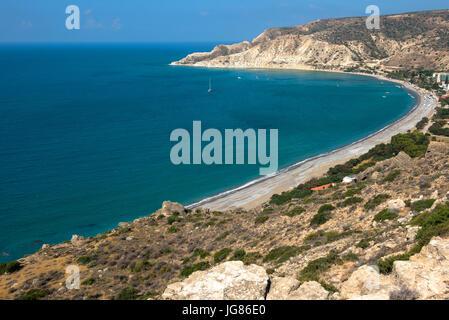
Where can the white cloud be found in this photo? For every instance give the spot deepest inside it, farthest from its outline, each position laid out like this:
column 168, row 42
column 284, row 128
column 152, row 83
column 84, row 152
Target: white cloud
column 116, row 25
column 25, row 24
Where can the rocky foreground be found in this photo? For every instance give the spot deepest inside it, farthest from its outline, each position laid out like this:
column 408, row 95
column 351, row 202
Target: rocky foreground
column 381, row 237
column 410, row 40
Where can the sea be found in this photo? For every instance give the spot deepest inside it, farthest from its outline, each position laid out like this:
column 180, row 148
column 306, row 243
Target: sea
column 85, row 130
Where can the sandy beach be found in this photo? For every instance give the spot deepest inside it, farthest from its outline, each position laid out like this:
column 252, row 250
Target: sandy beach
column 260, row 191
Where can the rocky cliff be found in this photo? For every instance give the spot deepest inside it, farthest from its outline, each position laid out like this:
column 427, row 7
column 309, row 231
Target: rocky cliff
column 412, row 40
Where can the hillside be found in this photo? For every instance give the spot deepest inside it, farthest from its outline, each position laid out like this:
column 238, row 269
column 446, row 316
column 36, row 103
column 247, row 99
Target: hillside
column 324, row 241
column 411, row 40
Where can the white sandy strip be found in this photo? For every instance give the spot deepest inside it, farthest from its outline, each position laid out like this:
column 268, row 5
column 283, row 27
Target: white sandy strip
column 256, row 193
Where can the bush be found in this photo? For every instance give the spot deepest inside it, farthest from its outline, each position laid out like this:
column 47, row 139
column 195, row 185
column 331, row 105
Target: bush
column 364, row 243
column 252, row 257
column 127, row 293
column 392, row 176
column 414, row 143
column 351, row 201
column 84, row 259
column 221, row 255
column 239, row 255
column 435, row 223
column 188, row 270
column 326, row 208
column 295, row 212
column 321, row 237
column 320, row 218
column 422, row 205
column 385, row 214
column 316, row 267
column 35, row 294
column 10, row 267
column 421, row 124
column 282, row 254
column 261, row 219
column 88, row 282
column 172, row 229
column 377, row 200
column 386, row 265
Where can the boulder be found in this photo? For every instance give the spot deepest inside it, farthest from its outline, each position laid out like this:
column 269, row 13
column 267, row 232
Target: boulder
column 76, row 239
column 281, row 288
column 367, row 283
column 311, row 290
column 412, row 232
column 168, row 208
column 396, row 205
column 427, row 273
column 230, row 280
column 290, row 289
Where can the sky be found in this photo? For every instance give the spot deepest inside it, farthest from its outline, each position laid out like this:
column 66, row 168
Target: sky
column 177, row 20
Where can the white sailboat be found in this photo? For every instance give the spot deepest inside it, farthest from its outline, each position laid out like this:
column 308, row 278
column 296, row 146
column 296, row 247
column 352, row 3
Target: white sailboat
column 210, row 85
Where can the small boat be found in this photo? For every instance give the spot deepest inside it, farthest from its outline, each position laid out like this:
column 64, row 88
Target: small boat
column 210, row 85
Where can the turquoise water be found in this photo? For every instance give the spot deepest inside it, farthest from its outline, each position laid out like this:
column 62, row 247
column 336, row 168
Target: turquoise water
column 84, row 131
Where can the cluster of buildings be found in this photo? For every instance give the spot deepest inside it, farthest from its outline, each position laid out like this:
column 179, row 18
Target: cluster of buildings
column 442, row 79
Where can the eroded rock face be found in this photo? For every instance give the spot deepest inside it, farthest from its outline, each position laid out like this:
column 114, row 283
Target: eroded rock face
column 367, row 284
column 228, row 281
column 168, row 208
column 427, row 273
column 289, row 288
column 396, row 205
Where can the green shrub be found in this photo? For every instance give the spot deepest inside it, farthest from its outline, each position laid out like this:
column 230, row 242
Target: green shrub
column 385, row 214
column 35, row 294
column 351, row 201
column 221, row 255
column 422, row 205
column 172, row 229
column 222, row 236
column 392, row 176
column 127, row 293
column 377, row 200
column 316, row 267
column 188, row 270
column 351, row 257
column 421, row 124
column 88, row 281
column 364, row 243
column 386, row 265
column 267, row 211
column 201, row 253
column 10, row 267
column 320, row 218
column 295, row 212
column 239, row 254
column 435, row 223
column 282, row 254
column 326, row 208
column 84, row 259
column 252, row 257
column 261, row 219
column 321, row 237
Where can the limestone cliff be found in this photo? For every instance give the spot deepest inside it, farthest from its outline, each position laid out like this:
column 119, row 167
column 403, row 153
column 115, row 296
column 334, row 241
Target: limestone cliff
column 412, row 40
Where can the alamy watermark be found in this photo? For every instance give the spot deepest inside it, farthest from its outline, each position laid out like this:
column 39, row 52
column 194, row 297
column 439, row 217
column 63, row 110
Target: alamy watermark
column 373, row 21
column 73, row 280
column 73, row 21
column 190, row 151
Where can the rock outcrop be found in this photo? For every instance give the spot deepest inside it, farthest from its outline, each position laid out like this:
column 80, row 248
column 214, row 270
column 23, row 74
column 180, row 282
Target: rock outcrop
column 425, row 276
column 228, row 281
column 290, row 289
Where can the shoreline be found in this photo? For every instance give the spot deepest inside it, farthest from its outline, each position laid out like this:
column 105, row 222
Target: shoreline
column 256, row 192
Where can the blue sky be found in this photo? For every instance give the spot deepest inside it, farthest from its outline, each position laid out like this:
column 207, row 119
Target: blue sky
column 177, row 20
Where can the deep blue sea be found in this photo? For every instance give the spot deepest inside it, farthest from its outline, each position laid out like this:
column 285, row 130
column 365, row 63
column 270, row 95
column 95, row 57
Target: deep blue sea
column 84, row 131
